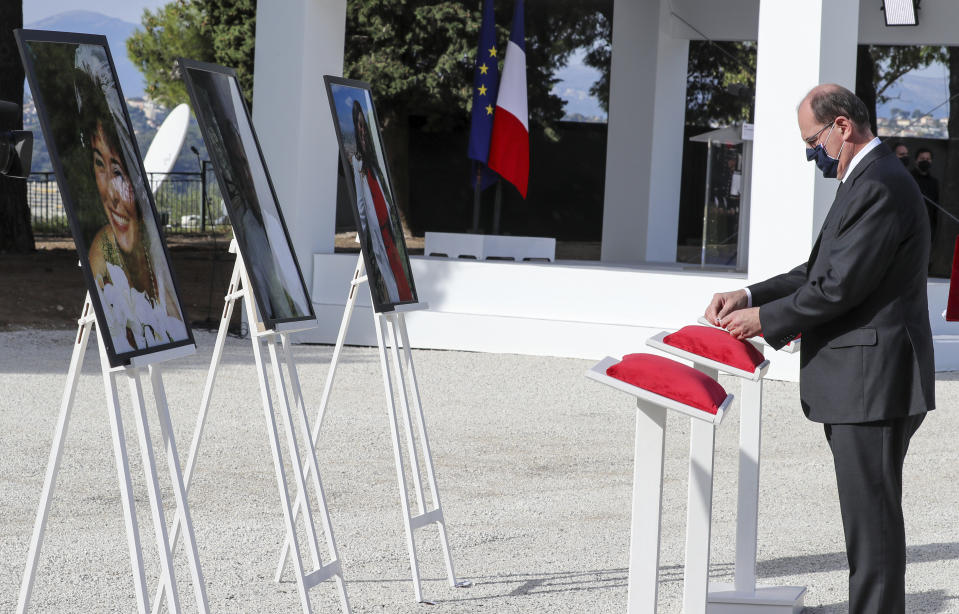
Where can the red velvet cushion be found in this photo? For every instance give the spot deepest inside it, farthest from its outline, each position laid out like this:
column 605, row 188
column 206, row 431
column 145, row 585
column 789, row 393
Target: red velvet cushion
column 670, row 379
column 952, row 305
column 716, row 344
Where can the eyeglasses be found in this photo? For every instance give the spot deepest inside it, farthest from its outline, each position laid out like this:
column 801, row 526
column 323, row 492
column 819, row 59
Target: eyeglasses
column 811, row 141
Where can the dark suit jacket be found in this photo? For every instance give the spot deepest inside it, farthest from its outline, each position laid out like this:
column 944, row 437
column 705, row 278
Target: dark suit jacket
column 860, row 301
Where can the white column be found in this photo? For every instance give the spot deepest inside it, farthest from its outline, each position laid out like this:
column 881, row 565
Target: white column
column 645, row 140
column 297, row 42
column 799, row 46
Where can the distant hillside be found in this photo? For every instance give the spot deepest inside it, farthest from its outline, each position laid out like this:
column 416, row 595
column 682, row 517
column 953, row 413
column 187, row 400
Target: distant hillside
column 917, row 92
column 144, row 127
column 116, row 31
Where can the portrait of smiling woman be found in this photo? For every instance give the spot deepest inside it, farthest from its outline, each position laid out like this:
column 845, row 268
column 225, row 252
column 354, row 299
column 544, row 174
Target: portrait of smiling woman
column 120, row 256
column 115, row 229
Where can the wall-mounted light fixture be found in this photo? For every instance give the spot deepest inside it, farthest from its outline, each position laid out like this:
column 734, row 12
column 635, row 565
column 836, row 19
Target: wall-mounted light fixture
column 901, row 12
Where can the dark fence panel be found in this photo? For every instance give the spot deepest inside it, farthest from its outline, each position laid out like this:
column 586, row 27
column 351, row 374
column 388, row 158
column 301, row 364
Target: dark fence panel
column 179, row 201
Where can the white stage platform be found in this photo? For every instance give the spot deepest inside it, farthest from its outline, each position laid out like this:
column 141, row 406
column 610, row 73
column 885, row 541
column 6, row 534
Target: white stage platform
column 575, row 309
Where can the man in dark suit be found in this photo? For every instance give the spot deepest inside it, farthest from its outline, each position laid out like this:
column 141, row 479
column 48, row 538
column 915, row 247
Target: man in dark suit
column 867, row 370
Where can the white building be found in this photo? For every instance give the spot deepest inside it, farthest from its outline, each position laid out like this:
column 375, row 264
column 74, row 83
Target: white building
column 593, row 309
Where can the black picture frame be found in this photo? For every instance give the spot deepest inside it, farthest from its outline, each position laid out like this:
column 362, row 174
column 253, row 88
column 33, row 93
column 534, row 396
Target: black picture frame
column 246, row 238
column 141, row 192
column 382, row 302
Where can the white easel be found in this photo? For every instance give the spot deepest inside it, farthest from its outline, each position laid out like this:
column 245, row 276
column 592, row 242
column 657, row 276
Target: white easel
column 240, row 289
column 395, row 323
column 133, row 372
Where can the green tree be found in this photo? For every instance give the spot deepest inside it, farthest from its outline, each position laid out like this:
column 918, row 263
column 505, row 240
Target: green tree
column 178, row 29
column 16, row 234
column 720, row 82
column 218, row 31
column 419, row 54
column 599, row 53
column 231, row 25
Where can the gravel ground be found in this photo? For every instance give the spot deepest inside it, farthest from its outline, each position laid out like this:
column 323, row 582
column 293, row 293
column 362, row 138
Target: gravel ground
column 534, row 463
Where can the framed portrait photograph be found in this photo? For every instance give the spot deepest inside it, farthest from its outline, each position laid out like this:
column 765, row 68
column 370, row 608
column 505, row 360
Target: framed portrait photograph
column 251, row 202
column 371, row 191
column 108, row 202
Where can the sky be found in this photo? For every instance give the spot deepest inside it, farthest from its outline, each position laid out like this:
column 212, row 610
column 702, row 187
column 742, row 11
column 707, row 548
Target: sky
column 127, row 10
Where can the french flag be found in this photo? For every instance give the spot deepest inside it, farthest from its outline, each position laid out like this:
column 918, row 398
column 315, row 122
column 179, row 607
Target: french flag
column 509, row 145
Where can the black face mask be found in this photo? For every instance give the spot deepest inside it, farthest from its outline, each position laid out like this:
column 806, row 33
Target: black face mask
column 924, row 165
column 904, row 160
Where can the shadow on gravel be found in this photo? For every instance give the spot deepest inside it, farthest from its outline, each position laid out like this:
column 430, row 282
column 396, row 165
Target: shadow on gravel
column 514, row 585
column 930, row 602
column 835, row 561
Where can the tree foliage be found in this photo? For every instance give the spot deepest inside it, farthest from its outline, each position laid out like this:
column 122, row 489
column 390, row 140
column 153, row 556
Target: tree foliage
column 892, row 62
column 218, row 31
column 599, row 54
column 720, row 82
column 419, row 54
column 177, row 29
column 231, row 25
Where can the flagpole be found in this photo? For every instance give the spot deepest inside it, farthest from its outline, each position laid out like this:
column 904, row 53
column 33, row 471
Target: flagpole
column 476, row 199
column 497, row 205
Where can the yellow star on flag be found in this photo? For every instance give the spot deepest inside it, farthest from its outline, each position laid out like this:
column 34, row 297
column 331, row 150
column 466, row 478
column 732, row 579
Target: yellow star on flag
column 482, row 90
column 489, row 109
column 483, row 69
column 492, row 51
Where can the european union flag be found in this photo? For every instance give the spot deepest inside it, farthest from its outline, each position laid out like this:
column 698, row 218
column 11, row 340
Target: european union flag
column 485, row 85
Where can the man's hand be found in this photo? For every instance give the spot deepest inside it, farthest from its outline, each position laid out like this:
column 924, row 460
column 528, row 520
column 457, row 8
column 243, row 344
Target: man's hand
column 724, row 304
column 743, row 324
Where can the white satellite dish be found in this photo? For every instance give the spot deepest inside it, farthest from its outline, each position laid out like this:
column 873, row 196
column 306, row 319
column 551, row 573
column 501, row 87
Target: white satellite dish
column 166, row 145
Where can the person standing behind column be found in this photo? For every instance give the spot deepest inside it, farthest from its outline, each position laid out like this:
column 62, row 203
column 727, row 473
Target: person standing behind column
column 902, row 152
column 867, row 369
column 929, row 186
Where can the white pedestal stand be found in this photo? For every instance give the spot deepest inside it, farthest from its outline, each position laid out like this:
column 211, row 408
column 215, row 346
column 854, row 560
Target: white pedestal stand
column 240, row 289
column 647, row 506
column 133, row 372
column 393, row 325
column 744, row 596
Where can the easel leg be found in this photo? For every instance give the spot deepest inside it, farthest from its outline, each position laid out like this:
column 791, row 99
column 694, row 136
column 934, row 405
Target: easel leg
column 427, row 453
column 407, row 418
column 233, row 294
column 287, row 415
column 643, row 583
column 153, row 488
column 313, row 464
column 56, row 452
column 126, row 485
column 179, row 490
column 280, row 471
column 379, row 322
column 325, row 399
column 340, row 340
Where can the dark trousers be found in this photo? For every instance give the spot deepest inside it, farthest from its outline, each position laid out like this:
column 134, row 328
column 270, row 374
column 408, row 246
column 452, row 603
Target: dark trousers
column 868, row 459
